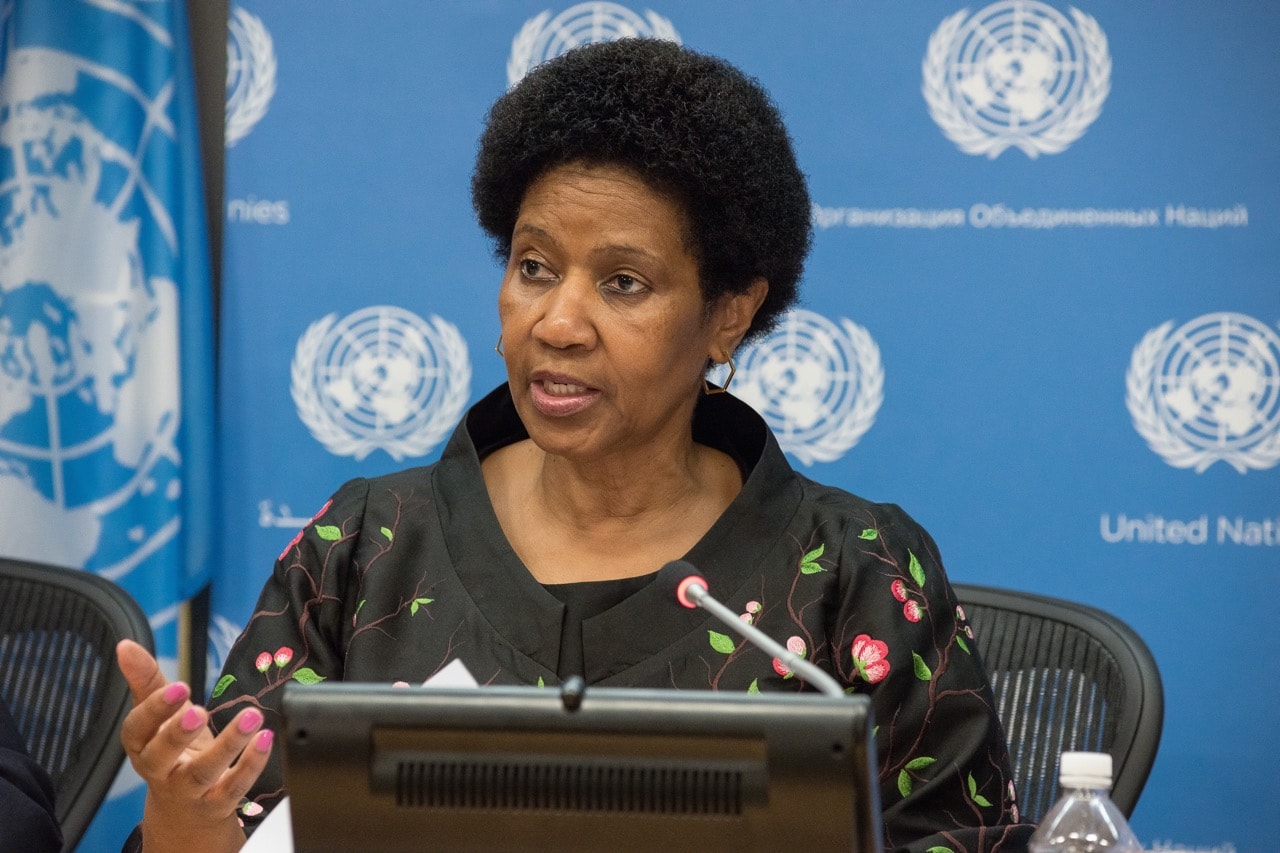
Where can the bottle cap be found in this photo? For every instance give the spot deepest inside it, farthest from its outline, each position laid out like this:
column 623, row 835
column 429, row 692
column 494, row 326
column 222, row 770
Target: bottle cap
column 1085, row 770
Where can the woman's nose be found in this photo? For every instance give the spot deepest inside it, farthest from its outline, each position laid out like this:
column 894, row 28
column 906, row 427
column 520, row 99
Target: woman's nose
column 567, row 313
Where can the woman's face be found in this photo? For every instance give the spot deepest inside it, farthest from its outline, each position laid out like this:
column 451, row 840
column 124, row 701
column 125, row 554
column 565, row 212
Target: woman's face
column 603, row 323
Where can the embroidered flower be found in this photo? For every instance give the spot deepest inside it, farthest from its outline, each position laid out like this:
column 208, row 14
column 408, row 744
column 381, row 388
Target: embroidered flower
column 871, row 658
column 251, row 809
column 284, row 654
column 746, row 617
column 753, row 607
column 796, row 646
column 263, row 663
column 912, row 611
column 959, row 613
column 399, row 684
column 899, row 590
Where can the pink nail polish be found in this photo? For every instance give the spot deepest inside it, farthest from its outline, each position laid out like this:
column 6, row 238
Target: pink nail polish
column 176, row 692
column 191, row 720
column 265, row 737
column 249, row 721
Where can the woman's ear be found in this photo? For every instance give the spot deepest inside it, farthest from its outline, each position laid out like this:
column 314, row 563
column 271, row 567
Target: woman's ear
column 732, row 318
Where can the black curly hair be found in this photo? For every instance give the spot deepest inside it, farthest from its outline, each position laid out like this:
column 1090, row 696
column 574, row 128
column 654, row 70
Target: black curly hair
column 689, row 125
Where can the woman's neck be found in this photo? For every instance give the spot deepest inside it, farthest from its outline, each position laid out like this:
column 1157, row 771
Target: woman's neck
column 594, row 519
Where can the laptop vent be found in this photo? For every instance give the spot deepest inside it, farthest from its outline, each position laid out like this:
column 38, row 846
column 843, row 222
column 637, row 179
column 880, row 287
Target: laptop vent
column 542, row 787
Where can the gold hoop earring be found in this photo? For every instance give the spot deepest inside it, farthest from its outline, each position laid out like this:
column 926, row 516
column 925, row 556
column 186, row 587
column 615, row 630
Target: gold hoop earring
column 498, row 347
column 710, row 390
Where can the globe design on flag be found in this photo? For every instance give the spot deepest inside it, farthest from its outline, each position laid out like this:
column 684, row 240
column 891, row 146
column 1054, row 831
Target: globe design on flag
column 1017, row 73
column 817, row 384
column 380, row 378
column 1209, row 391
column 544, row 37
column 88, row 354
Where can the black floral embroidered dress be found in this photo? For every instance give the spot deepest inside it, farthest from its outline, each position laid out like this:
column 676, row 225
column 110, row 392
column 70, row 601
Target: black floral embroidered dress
column 398, row 575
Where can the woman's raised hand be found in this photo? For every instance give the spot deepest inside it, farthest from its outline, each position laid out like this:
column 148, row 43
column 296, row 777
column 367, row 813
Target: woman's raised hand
column 194, row 780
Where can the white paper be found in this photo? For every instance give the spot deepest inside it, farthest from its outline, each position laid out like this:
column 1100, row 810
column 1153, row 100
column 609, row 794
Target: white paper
column 455, row 674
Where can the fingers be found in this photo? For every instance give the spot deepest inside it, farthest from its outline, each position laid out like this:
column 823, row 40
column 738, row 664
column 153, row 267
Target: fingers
column 145, row 726
column 140, row 670
column 212, row 774
column 228, row 767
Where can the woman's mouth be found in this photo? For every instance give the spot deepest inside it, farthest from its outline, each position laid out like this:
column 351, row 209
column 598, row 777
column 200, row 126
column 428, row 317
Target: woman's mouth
column 561, row 396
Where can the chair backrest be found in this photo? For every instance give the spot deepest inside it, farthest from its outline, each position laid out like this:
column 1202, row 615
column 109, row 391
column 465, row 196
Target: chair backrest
column 1067, row 677
column 58, row 631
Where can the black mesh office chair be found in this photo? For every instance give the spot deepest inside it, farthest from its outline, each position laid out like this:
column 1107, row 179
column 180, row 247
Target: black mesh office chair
column 1067, row 677
column 58, row 631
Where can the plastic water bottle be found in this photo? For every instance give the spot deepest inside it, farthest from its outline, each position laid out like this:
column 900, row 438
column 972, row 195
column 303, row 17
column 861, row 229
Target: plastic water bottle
column 1084, row 820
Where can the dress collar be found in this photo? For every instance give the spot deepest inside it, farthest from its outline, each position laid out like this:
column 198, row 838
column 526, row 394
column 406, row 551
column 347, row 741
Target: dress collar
column 731, row 555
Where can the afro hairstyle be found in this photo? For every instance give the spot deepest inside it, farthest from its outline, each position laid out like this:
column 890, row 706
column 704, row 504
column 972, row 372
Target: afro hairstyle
column 690, row 126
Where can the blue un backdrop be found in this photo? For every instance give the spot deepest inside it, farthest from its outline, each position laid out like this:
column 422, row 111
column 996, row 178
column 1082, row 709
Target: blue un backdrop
column 1040, row 313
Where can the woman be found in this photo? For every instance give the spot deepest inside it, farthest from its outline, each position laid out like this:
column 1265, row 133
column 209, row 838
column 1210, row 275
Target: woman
column 646, row 202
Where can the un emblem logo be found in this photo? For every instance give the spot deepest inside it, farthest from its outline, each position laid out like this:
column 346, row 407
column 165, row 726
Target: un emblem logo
column 1017, row 74
column 1208, row 391
column 381, row 378
column 543, row 37
column 251, row 74
column 817, row 384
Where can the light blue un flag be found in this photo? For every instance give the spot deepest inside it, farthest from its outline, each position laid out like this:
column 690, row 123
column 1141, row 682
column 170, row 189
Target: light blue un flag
column 106, row 390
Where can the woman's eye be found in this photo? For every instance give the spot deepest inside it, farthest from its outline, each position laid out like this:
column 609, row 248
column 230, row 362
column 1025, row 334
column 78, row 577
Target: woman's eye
column 626, row 284
column 530, row 268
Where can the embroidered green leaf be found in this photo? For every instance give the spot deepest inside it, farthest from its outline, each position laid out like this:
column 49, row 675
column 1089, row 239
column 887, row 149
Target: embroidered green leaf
column 541, row 683
column 904, row 783
column 328, row 532
column 808, row 563
column 419, row 602
column 962, row 644
column 307, row 675
column 917, row 571
column 754, row 686
column 920, row 763
column 977, row 798
column 922, row 669
column 721, row 643
column 870, row 534
column 939, row 850
column 221, row 687
column 386, row 531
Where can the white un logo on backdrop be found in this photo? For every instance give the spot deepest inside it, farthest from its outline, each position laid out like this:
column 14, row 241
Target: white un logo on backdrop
column 381, row 378
column 251, row 74
column 818, row 384
column 1017, row 74
column 1208, row 391
column 543, row 37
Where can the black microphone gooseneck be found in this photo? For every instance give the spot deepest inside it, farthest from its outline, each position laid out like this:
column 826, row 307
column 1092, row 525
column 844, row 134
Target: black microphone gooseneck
column 690, row 589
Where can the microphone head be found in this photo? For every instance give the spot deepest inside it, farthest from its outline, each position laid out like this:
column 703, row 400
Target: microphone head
column 677, row 576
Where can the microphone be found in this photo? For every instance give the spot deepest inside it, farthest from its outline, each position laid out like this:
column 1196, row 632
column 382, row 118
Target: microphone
column 690, row 588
